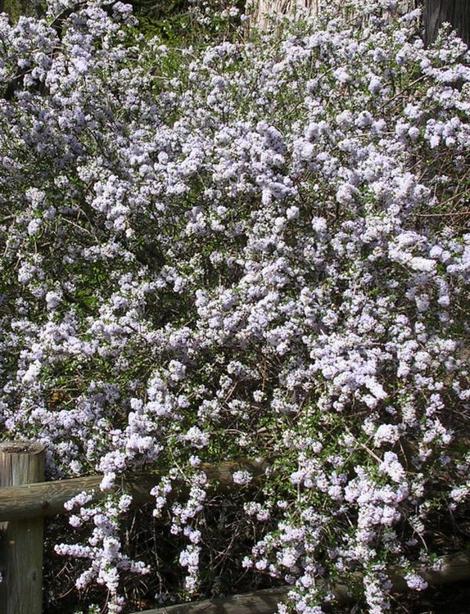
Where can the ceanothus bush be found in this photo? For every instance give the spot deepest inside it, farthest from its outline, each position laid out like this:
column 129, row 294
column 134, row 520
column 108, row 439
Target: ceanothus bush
column 254, row 249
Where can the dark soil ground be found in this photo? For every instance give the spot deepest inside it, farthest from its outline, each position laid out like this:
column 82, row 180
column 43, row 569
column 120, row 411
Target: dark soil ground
column 453, row 599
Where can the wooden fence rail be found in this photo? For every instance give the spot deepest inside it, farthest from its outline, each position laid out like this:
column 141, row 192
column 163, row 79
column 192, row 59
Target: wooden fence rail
column 48, row 498
column 259, row 602
column 452, row 568
column 23, row 506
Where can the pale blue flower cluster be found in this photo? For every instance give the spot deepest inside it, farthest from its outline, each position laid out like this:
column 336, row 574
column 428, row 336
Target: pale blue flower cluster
column 253, row 249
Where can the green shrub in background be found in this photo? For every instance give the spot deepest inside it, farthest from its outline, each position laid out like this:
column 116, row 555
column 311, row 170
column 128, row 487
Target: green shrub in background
column 176, row 22
column 16, row 8
column 179, row 22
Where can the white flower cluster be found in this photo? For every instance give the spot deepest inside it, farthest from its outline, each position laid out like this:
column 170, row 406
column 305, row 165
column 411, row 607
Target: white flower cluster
column 257, row 248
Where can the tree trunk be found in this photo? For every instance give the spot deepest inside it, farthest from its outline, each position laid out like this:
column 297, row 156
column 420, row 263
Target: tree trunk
column 456, row 12
column 266, row 12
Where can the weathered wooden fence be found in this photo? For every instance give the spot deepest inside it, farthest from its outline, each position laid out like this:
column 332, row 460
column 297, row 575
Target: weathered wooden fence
column 25, row 499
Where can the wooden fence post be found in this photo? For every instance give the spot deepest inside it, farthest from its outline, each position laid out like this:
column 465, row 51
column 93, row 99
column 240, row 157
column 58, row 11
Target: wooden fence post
column 21, row 541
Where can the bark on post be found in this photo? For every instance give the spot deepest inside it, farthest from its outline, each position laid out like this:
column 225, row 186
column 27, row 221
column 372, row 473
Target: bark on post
column 21, row 541
column 455, row 12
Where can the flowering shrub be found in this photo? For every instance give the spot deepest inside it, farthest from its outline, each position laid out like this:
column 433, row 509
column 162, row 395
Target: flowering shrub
column 256, row 249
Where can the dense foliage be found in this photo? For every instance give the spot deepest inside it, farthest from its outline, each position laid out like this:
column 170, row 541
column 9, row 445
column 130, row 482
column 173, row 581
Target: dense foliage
column 253, row 249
